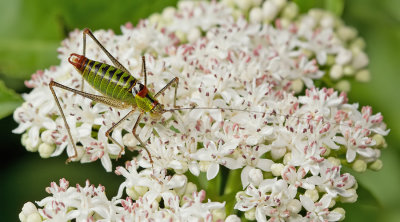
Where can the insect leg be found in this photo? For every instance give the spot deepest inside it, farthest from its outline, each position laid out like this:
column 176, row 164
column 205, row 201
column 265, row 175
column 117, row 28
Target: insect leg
column 65, row 122
column 96, row 98
column 144, row 70
column 174, row 80
column 84, row 54
column 101, row 99
column 137, row 136
column 87, row 31
column 113, row 127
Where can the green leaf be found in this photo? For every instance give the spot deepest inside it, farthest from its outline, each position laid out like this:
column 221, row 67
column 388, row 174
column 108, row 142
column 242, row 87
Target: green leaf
column 306, row 5
column 335, row 6
column 9, row 100
column 31, row 30
column 19, row 58
column 367, row 207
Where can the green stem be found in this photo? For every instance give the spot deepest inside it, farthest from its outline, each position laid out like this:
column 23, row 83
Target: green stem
column 233, row 185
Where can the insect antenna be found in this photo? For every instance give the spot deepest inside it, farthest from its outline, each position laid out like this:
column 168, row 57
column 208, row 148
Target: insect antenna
column 270, row 114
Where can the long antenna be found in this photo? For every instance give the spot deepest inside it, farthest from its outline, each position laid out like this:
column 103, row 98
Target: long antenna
column 216, row 108
column 273, row 113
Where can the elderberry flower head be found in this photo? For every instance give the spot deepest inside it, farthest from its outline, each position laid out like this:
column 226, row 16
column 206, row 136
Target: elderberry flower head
column 238, row 80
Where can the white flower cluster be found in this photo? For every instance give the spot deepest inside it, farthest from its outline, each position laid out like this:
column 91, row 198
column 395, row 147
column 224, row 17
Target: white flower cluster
column 289, row 148
column 336, row 47
column 90, row 203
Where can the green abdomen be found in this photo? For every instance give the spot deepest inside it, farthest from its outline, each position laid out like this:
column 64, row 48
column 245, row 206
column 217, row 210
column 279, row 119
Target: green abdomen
column 109, row 80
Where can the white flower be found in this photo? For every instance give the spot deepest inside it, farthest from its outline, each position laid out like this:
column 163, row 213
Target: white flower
column 319, row 211
column 269, row 199
column 333, row 182
column 100, row 149
column 217, row 155
column 297, row 178
column 193, row 208
column 32, row 119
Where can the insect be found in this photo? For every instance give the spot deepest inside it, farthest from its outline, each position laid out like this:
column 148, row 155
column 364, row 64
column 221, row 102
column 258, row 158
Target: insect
column 118, row 87
column 121, row 90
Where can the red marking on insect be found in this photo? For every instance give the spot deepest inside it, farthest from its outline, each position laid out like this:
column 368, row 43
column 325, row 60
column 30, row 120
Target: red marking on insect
column 142, row 93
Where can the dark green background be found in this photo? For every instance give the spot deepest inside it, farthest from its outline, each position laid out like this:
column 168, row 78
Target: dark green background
column 31, row 31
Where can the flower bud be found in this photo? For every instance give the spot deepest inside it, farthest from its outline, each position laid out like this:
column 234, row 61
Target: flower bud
column 294, row 206
column 218, row 214
column 276, row 169
column 327, row 21
column 270, row 10
column 336, row 72
column 190, row 188
column 360, row 60
column 340, row 211
column 24, row 139
column 34, row 217
column 155, row 18
column 255, row 15
column 348, row 70
column 29, row 208
column 244, row 5
column 193, row 35
column 290, row 11
column 316, row 13
column 359, row 166
column 312, row 194
column 250, row 214
column 279, row 3
column 30, row 146
column 287, row 158
column 334, row 161
column 285, row 23
column 278, row 153
column 376, row 165
column 357, row 45
column 46, row 136
column 346, row 33
column 379, row 141
column 297, row 85
column 29, row 213
column 232, row 218
column 330, row 60
column 22, row 217
column 363, row 76
column 129, row 140
column 181, row 35
column 168, row 13
column 343, row 85
column 45, row 150
column 255, row 176
column 350, row 199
